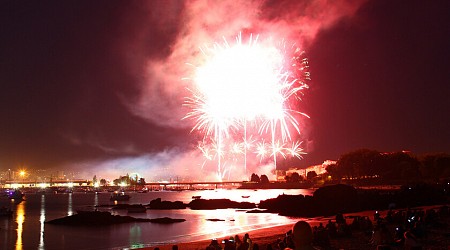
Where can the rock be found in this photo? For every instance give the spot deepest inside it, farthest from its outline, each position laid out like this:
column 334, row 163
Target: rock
column 336, row 198
column 97, row 218
column 158, row 204
column 215, row 220
column 166, row 220
column 94, row 218
column 200, row 204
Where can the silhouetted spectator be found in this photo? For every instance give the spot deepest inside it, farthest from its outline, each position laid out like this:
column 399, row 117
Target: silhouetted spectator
column 321, row 237
column 288, row 241
column 175, row 247
column 237, row 241
column 247, row 240
column 228, row 245
column 411, row 242
column 340, row 218
column 244, row 244
column 215, row 245
column 302, row 236
column 331, row 228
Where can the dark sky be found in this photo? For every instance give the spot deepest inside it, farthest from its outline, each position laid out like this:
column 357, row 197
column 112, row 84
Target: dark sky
column 95, row 81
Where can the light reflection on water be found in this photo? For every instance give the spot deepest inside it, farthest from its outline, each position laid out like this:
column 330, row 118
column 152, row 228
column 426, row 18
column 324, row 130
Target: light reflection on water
column 69, row 206
column 30, row 231
column 41, row 221
column 20, row 219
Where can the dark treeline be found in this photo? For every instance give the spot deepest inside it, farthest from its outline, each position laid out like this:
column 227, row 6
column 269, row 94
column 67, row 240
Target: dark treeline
column 341, row 198
column 388, row 167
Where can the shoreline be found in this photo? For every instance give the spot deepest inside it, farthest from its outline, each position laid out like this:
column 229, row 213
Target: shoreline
column 269, row 235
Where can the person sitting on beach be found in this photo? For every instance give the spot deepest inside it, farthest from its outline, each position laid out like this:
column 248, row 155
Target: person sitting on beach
column 237, row 241
column 331, row 228
column 321, row 237
column 247, row 240
column 340, row 218
column 228, row 245
column 411, row 242
column 244, row 244
column 288, row 242
column 376, row 236
column 303, row 236
column 214, row 245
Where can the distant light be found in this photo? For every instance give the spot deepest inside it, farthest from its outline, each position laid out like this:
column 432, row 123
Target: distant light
column 43, row 185
column 70, row 184
column 96, row 185
column 123, row 184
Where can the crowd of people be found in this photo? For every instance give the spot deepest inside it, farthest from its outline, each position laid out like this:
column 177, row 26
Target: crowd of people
column 400, row 229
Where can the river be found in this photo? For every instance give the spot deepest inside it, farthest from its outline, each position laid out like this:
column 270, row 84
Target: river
column 26, row 228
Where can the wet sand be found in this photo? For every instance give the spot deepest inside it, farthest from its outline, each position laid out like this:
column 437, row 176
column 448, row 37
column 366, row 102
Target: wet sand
column 436, row 239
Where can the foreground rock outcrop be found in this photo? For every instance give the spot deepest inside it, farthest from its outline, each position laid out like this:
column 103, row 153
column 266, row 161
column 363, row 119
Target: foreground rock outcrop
column 165, row 205
column 340, row 198
column 98, row 218
column 199, row 204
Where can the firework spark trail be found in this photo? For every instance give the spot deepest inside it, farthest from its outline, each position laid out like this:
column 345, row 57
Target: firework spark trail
column 247, row 88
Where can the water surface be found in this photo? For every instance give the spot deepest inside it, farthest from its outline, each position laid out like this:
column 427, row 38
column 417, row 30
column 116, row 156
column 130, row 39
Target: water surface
column 27, row 230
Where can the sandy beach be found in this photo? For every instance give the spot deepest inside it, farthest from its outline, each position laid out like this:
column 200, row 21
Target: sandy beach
column 437, row 239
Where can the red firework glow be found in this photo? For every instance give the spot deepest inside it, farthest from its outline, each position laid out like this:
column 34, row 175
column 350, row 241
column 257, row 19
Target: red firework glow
column 244, row 95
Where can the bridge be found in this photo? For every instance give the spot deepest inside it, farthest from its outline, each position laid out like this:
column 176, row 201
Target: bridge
column 191, row 185
column 149, row 185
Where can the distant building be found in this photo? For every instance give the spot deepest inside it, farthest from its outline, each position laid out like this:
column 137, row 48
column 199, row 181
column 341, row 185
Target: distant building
column 319, row 169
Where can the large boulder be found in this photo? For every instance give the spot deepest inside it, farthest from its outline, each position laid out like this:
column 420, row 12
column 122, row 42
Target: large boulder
column 158, row 204
column 336, row 198
column 94, row 218
column 200, row 204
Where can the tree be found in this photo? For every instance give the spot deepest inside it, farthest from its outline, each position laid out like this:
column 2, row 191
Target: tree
column 334, row 172
column 255, row 178
column 294, row 177
column 362, row 162
column 116, row 182
column 435, row 166
column 103, row 182
column 311, row 175
column 264, row 179
column 94, row 179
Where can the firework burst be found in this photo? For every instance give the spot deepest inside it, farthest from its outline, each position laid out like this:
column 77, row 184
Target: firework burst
column 244, row 94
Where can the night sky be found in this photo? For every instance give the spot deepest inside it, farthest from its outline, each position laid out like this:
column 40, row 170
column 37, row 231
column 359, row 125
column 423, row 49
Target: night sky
column 97, row 85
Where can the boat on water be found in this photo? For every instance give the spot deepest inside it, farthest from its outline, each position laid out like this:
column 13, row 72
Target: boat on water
column 16, row 195
column 119, row 196
column 136, row 208
column 196, row 197
column 245, row 196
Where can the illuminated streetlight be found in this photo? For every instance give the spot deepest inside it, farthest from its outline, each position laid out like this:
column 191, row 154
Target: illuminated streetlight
column 22, row 174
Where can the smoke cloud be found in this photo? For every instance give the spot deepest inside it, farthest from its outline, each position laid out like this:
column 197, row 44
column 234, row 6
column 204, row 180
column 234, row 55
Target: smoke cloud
column 205, row 22
column 165, row 49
